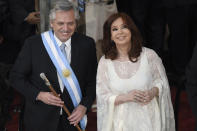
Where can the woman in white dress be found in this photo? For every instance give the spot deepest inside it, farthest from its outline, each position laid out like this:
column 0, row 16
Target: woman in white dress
column 132, row 88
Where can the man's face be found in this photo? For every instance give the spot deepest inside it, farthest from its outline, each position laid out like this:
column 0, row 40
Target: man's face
column 64, row 24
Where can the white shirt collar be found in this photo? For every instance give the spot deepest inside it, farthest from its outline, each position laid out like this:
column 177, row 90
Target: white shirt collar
column 68, row 42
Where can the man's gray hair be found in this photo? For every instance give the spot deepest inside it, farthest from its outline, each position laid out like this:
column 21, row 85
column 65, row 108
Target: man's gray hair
column 63, row 5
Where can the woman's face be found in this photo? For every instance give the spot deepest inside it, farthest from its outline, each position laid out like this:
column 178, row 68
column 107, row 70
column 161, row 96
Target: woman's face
column 120, row 34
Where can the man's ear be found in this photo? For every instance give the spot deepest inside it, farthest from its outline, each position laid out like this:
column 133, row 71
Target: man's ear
column 51, row 24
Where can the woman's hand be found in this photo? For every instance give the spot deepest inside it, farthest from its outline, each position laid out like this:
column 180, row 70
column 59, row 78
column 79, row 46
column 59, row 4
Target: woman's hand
column 150, row 94
column 133, row 96
column 136, row 96
column 142, row 97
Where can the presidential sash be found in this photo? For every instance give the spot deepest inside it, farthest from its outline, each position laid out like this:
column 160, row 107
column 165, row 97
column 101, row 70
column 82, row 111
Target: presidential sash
column 64, row 70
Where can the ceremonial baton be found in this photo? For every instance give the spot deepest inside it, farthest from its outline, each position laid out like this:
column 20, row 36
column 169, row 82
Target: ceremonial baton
column 42, row 75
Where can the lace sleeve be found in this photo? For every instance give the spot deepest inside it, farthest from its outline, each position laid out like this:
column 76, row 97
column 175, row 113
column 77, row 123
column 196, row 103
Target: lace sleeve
column 160, row 80
column 105, row 97
column 103, row 90
column 155, row 63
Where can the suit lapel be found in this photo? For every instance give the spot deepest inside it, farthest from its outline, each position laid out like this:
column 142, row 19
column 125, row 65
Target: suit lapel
column 74, row 51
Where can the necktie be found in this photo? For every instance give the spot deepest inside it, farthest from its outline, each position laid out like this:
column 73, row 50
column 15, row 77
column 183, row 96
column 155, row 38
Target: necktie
column 62, row 48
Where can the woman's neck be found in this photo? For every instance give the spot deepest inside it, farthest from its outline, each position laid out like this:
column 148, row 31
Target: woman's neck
column 123, row 51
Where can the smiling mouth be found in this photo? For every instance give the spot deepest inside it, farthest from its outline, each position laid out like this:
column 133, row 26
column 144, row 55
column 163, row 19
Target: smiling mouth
column 121, row 37
column 65, row 34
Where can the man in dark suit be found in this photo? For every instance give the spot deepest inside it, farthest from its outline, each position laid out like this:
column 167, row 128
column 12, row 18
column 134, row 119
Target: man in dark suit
column 43, row 110
column 181, row 18
column 191, row 83
column 19, row 25
column 23, row 19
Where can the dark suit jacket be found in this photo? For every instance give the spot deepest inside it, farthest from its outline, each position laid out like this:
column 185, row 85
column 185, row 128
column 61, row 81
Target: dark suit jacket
column 33, row 60
column 191, row 83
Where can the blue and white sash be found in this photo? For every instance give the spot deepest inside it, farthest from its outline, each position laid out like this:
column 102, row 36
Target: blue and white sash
column 70, row 82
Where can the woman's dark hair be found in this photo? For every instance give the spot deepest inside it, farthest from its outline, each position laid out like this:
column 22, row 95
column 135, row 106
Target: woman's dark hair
column 108, row 46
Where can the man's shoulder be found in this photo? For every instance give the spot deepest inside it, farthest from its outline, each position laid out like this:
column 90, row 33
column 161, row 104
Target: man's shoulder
column 80, row 36
column 36, row 37
column 34, row 40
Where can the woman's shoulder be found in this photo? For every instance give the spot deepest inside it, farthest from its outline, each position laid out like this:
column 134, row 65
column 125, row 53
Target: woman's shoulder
column 102, row 60
column 103, row 63
column 149, row 52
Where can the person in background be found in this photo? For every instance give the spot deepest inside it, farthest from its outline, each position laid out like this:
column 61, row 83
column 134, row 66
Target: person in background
column 132, row 88
column 6, row 93
column 23, row 19
column 20, row 24
column 69, row 61
column 181, row 19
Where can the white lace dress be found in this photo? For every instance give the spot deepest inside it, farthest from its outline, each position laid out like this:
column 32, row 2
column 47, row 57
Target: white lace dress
column 119, row 77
